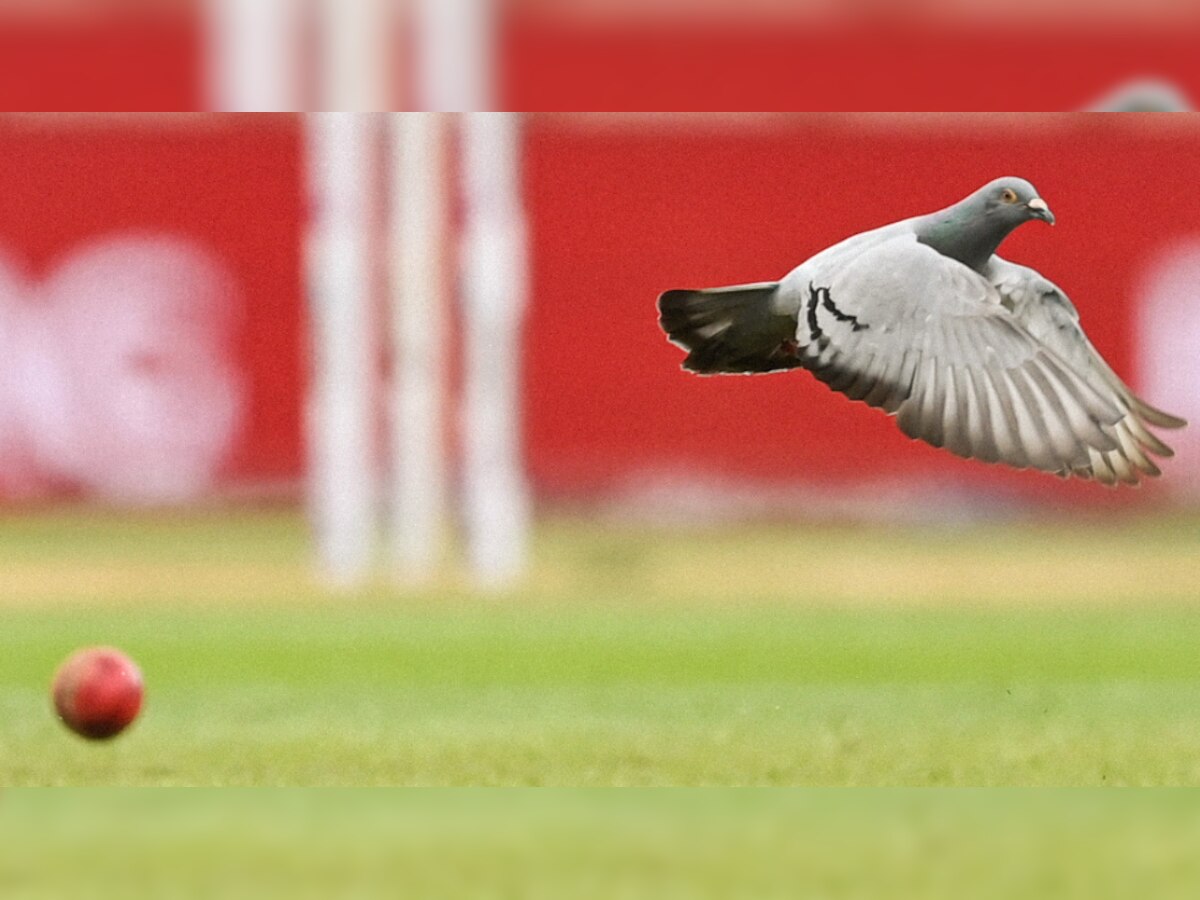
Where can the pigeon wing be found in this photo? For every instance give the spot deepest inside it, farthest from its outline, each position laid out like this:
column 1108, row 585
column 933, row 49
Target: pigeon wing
column 1043, row 310
column 930, row 341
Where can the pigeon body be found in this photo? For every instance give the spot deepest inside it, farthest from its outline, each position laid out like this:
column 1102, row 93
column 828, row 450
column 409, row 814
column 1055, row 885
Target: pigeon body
column 923, row 320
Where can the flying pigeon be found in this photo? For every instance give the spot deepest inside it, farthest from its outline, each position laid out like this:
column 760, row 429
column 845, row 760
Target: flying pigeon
column 923, row 320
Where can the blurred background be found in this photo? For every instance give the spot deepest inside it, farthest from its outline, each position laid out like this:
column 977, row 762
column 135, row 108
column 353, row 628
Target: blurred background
column 548, row 55
column 554, row 843
column 159, row 348
column 358, row 432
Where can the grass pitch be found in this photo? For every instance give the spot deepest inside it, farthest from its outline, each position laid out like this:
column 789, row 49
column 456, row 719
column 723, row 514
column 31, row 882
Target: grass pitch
column 774, row 655
column 552, row 844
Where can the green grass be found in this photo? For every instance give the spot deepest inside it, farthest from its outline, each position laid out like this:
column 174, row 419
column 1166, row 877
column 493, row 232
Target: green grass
column 556, row 844
column 770, row 655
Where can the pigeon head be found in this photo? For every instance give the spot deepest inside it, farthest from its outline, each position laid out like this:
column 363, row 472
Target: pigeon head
column 1010, row 201
column 971, row 230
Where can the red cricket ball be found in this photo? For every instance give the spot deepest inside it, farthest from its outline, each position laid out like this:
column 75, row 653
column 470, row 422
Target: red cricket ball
column 97, row 692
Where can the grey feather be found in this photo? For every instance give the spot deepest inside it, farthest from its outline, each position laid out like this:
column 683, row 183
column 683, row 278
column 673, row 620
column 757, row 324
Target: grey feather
column 865, row 378
column 1004, row 424
column 1134, row 451
column 1044, row 430
column 983, row 441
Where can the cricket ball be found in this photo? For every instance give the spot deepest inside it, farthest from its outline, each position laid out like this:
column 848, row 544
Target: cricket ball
column 97, row 692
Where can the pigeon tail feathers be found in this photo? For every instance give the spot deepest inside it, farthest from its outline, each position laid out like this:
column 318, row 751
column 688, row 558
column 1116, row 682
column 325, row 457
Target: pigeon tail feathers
column 730, row 330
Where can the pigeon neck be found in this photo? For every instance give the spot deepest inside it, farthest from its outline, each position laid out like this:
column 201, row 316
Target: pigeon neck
column 970, row 240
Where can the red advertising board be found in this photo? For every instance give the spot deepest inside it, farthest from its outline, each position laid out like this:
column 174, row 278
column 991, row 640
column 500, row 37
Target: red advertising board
column 150, row 273
column 1031, row 55
column 623, row 213
column 151, row 286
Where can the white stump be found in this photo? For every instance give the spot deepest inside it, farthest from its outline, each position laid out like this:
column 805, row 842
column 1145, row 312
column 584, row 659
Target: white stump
column 418, row 324
column 496, row 502
column 253, row 59
column 340, row 466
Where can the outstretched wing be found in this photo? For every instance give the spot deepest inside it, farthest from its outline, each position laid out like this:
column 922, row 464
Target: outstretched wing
column 903, row 328
column 1043, row 310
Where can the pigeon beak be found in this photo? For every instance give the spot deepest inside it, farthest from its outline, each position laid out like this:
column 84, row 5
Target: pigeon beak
column 1041, row 210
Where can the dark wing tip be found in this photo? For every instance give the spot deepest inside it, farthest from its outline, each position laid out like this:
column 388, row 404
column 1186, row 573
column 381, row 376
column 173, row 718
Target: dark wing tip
column 1156, row 416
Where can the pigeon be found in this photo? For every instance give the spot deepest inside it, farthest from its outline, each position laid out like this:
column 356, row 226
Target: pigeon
column 1143, row 95
column 920, row 318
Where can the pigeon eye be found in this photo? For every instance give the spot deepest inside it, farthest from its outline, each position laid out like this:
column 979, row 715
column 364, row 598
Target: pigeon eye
column 1009, row 196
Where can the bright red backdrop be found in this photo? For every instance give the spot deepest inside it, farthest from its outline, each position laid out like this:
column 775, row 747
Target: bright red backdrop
column 621, row 214
column 872, row 58
column 620, row 210
column 1015, row 62
column 231, row 184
